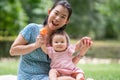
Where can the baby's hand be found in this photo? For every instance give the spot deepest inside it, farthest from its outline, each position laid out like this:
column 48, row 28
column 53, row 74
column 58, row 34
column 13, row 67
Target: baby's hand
column 82, row 47
column 85, row 43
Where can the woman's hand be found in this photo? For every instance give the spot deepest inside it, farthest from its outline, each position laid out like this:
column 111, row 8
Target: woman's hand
column 40, row 40
column 82, row 47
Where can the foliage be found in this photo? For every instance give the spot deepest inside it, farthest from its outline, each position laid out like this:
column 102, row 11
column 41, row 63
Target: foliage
column 12, row 17
column 103, row 49
column 4, row 48
column 106, row 49
column 15, row 14
column 109, row 9
column 98, row 19
column 36, row 10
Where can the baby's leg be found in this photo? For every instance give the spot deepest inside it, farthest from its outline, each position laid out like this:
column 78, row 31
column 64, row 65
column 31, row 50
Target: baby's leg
column 53, row 74
column 80, row 76
column 65, row 78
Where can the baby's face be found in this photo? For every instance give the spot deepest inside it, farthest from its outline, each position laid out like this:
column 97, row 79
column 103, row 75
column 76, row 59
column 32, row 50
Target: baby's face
column 59, row 43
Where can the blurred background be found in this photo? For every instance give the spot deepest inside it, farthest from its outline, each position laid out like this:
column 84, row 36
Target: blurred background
column 98, row 19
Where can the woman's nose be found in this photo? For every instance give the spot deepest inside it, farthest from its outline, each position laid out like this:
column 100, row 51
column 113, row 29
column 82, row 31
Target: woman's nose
column 57, row 18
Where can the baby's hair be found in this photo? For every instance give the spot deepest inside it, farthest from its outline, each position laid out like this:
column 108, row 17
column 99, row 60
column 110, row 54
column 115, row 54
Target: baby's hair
column 59, row 32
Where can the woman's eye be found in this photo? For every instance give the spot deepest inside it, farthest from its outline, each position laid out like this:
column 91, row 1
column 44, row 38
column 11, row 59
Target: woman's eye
column 56, row 13
column 63, row 17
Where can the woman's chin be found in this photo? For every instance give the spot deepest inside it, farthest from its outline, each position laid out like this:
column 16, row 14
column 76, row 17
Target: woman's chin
column 52, row 27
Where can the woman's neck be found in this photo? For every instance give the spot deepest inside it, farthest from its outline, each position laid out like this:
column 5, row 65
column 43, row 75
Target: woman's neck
column 48, row 29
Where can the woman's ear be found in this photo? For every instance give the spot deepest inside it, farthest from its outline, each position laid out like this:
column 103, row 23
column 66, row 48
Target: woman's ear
column 67, row 21
column 49, row 11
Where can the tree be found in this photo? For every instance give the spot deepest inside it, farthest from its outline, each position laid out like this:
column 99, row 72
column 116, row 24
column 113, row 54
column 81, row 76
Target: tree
column 12, row 17
column 36, row 10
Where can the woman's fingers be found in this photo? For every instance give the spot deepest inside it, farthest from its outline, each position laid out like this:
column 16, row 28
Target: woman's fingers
column 42, row 39
column 39, row 41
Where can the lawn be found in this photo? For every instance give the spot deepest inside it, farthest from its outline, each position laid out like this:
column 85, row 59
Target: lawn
column 8, row 66
column 101, row 71
column 95, row 71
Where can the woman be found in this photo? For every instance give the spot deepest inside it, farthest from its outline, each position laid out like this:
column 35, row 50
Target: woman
column 34, row 64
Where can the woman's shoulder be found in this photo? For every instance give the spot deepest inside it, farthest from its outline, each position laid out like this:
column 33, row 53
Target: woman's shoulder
column 34, row 25
column 30, row 31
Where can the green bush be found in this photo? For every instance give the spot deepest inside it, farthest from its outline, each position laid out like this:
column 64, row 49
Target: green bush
column 5, row 43
column 100, row 49
column 105, row 50
column 4, row 48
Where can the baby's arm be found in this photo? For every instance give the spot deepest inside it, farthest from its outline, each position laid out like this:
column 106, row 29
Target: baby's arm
column 82, row 47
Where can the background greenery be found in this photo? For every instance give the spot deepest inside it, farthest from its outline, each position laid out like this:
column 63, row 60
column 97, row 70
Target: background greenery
column 103, row 49
column 98, row 19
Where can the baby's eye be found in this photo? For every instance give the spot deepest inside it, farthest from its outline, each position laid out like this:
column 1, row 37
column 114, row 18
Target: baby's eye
column 56, row 42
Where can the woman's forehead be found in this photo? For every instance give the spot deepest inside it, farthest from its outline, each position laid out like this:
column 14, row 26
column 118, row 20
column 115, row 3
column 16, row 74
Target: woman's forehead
column 61, row 9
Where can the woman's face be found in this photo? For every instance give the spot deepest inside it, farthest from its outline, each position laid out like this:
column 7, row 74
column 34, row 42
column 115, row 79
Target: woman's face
column 58, row 17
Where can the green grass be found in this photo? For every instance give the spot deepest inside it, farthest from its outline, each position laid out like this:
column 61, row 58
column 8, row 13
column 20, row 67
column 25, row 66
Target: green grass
column 95, row 71
column 101, row 71
column 8, row 67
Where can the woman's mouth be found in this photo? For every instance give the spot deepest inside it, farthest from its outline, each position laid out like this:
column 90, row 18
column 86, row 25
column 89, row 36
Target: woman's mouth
column 54, row 23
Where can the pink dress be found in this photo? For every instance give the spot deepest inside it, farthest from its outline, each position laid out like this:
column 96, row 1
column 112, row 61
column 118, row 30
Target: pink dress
column 62, row 61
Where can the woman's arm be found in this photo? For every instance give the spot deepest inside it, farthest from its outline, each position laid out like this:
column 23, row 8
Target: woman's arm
column 20, row 46
column 82, row 47
column 43, row 43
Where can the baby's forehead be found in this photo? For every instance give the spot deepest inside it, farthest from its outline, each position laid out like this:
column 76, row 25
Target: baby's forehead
column 59, row 36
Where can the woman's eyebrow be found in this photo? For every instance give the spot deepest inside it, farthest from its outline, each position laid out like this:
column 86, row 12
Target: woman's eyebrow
column 61, row 14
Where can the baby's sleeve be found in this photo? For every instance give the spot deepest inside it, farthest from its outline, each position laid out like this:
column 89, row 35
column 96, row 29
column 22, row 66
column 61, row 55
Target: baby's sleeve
column 50, row 52
column 71, row 49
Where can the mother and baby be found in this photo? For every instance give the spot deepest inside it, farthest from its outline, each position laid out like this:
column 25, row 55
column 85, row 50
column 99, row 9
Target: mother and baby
column 50, row 56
